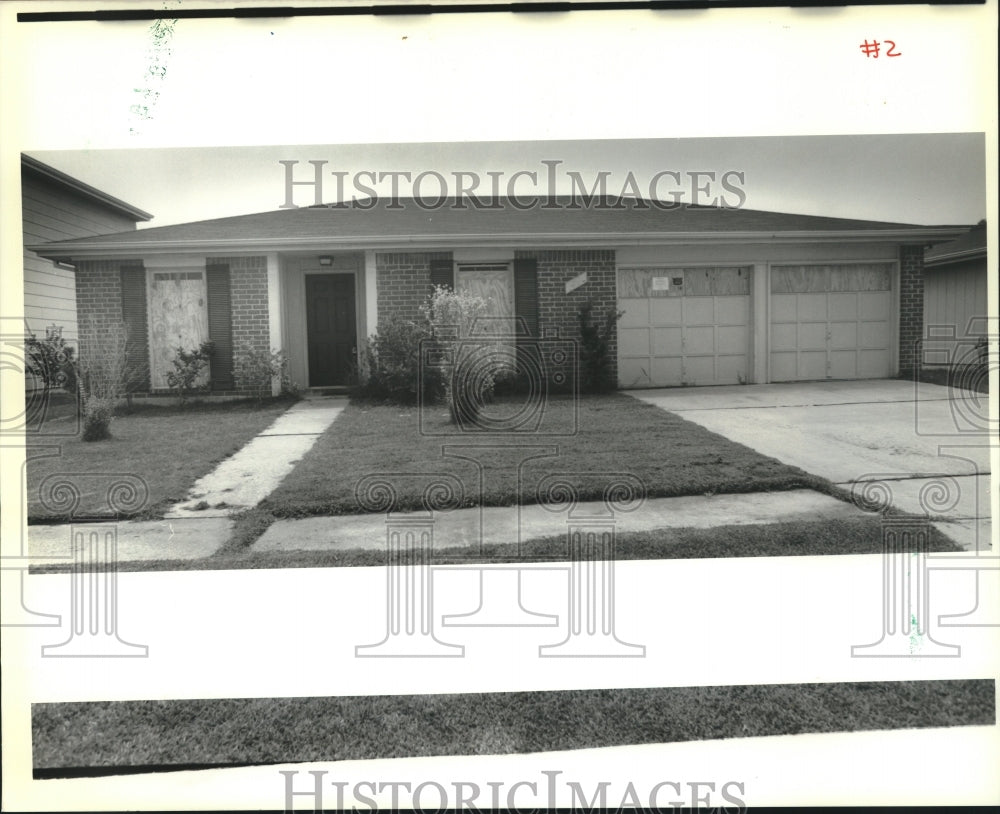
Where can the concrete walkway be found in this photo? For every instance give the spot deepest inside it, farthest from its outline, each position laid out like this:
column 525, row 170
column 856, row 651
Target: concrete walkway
column 246, row 478
column 903, row 433
column 465, row 527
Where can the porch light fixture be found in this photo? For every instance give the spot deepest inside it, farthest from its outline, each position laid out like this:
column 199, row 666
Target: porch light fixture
column 326, row 260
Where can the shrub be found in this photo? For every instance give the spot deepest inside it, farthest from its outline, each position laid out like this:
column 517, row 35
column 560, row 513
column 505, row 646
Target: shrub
column 476, row 362
column 107, row 372
column 256, row 369
column 188, row 366
column 392, row 358
column 51, row 361
column 98, row 411
column 596, row 364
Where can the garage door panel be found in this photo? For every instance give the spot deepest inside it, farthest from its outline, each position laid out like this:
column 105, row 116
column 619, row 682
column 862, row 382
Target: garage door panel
column 699, row 339
column 812, row 336
column 812, row 365
column 699, row 370
column 667, row 371
column 874, row 335
column 811, row 307
column 665, row 311
column 843, row 364
column 732, row 339
column 680, row 339
column 874, row 364
column 843, row 335
column 633, row 341
column 636, row 313
column 784, row 336
column 667, row 341
column 731, row 369
column 875, row 305
column 842, row 329
column 732, row 310
column 699, row 311
column 634, row 372
column 784, row 366
column 843, row 306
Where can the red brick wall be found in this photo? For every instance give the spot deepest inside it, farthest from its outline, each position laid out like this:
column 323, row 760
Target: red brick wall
column 248, row 286
column 557, row 309
column 911, row 306
column 99, row 301
column 403, row 281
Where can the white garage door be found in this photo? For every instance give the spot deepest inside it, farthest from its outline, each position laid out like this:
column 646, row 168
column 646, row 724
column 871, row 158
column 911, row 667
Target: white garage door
column 831, row 322
column 685, row 326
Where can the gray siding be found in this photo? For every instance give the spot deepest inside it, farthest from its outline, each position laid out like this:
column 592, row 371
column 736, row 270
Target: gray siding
column 954, row 296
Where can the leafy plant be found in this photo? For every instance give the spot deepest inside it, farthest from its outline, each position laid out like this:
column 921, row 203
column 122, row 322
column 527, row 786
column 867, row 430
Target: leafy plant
column 392, row 358
column 256, row 369
column 108, row 370
column 98, row 411
column 596, row 362
column 476, row 361
column 51, row 361
column 188, row 365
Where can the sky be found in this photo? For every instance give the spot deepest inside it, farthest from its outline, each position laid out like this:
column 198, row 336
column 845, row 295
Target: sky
column 927, row 179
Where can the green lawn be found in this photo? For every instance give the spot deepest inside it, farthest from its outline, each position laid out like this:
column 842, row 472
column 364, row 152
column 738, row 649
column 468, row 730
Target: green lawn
column 169, row 448
column 862, row 535
column 615, row 434
column 258, row 731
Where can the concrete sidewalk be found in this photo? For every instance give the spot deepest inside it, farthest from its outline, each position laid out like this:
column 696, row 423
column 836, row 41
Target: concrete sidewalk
column 509, row 524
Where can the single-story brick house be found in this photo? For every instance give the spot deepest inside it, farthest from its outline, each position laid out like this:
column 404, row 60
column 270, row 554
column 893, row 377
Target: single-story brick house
column 956, row 302
column 710, row 295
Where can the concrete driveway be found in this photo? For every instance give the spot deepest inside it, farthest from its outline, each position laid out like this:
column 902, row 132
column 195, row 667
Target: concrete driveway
column 929, row 444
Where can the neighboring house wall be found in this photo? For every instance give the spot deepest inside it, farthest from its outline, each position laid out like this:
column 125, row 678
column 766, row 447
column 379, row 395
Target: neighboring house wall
column 955, row 310
column 52, row 212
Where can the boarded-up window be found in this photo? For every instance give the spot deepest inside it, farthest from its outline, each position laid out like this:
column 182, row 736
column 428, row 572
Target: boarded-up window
column 817, row 279
column 709, row 281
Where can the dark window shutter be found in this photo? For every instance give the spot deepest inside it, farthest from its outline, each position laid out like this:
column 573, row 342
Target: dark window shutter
column 133, row 285
column 443, row 273
column 526, row 293
column 220, row 325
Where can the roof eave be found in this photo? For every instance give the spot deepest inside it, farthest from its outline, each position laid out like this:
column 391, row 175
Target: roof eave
column 86, row 190
column 976, row 253
column 138, row 247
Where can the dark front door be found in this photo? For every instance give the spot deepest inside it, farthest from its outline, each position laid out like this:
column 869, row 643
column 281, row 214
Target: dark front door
column 330, row 328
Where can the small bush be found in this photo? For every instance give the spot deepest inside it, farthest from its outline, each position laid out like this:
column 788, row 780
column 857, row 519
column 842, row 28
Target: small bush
column 51, row 361
column 393, row 361
column 477, row 361
column 596, row 363
column 256, row 369
column 188, row 365
column 98, row 411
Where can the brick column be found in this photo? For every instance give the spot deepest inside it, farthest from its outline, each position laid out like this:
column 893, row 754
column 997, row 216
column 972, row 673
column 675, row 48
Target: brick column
column 911, row 307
